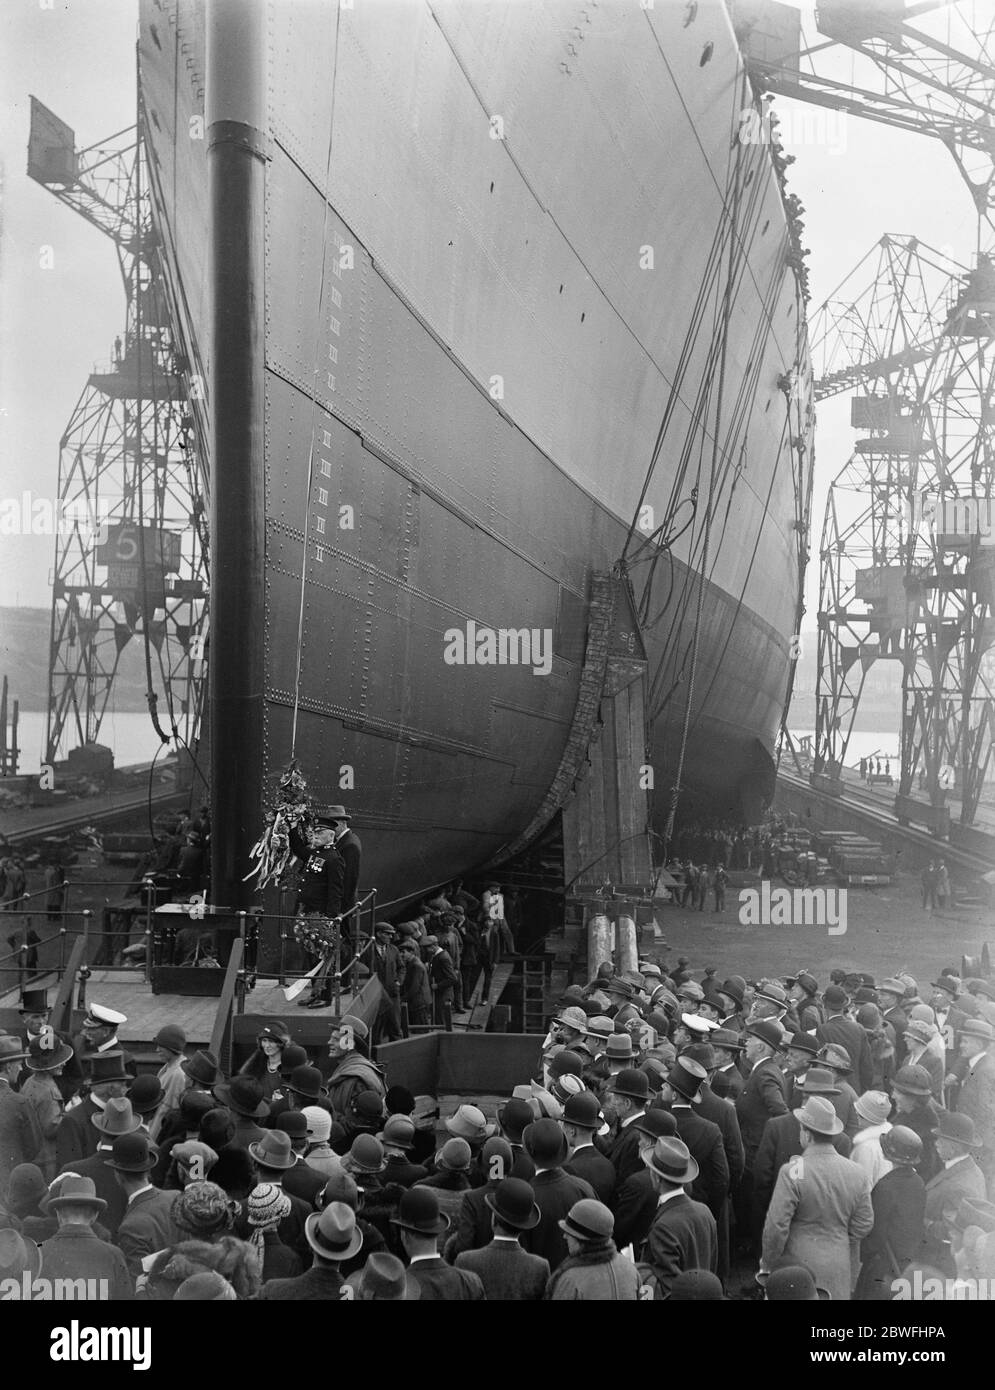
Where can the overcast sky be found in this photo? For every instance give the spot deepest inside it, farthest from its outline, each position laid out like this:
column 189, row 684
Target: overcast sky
column 857, row 181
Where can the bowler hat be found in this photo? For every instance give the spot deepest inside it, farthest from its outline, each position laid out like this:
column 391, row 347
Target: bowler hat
column 670, row 1158
column 950, row 984
column 172, row 1037
column 566, row 1063
column 202, row 1067
column 513, row 1202
column 294, row 1123
column 767, row 1031
column 273, row 1150
column 117, row 1117
column 818, row 1115
column 583, row 1110
column 546, row 1144
column 105, row 1067
column 901, row 1145
column 656, row 1122
column 957, row 1128
column 725, row 1037
column 243, row 1095
column 418, row 1211
column 793, row 1284
column 76, row 1191
column 734, row 988
column 332, row 1233
column 912, row 1080
column 146, row 1093
column 306, row 1081
column 696, row 1286
column 865, row 995
column 834, row 997
column 803, row 1042
column 632, row 1083
column 47, row 1051
column 588, row 1220
column 132, row 1153
column 367, row 1107
column 292, row 1057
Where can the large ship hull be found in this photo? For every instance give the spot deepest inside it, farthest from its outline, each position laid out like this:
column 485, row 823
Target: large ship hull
column 511, row 251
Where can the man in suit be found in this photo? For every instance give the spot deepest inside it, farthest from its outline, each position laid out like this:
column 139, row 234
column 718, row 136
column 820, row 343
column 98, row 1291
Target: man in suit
column 626, row 1097
column 847, row 1033
column 636, row 1199
column 702, row 1137
column 821, row 1204
column 442, row 977
column 581, row 1120
column 245, row 1100
column 116, row 1118
column 683, row 1234
column 332, row 1239
column 74, row 1251
column 34, row 1011
column 398, row 1139
column 98, row 1036
column 507, row 1272
column 836, row 1059
column 782, row 1139
column 764, row 1095
column 77, row 1137
column 350, row 847
column 555, row 1191
column 386, row 964
column 420, row 1223
column 891, row 992
column 958, row 1178
column 728, row 1048
column 148, row 1224
column 273, row 1157
column 976, row 1097
column 720, row 1110
column 20, row 1133
column 472, row 1227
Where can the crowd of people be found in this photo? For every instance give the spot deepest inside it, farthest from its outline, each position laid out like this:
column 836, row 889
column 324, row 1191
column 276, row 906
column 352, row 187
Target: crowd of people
column 678, row 1138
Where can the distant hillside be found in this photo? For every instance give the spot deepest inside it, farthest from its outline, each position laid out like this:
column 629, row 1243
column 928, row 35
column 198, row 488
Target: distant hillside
column 24, row 644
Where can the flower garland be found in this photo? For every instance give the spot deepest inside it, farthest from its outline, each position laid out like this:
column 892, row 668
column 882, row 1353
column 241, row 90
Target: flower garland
column 271, row 853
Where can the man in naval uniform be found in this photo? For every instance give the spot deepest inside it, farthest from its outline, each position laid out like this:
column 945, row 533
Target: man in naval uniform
column 98, row 1036
column 320, row 900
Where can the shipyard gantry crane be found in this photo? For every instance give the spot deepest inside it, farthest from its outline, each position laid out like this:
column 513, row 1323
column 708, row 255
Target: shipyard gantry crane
column 132, row 545
column 907, row 560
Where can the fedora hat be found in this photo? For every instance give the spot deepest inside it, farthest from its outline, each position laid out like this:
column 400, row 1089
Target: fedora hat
column 274, row 1150
column 725, row 1037
column 632, row 1083
column 619, row 1047
column 117, row 1117
column 384, row 1279
column 892, row 986
column 546, row 1144
column 418, row 1211
column 819, row 1081
column 332, row 1233
column 978, row 1028
column 513, row 1202
column 767, row 1031
column 76, row 1191
column 818, row 1115
column 47, row 1051
column 105, row 1067
column 306, row 1081
column 772, row 992
column 243, row 1095
column 901, row 1145
column 146, row 1093
column 912, row 1080
column 327, row 815
column 588, row 1220
column 600, row 1026
column 835, row 1056
column 132, row 1153
column 471, row 1124
column 18, row 1255
column 670, row 1158
column 686, row 1077
column 33, row 1001
column 956, row 1127
column 202, row 1067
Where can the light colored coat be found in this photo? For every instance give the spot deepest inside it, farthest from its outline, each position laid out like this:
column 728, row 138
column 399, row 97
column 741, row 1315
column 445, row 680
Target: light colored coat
column 821, row 1203
column 43, row 1092
column 977, row 1099
column 866, row 1152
